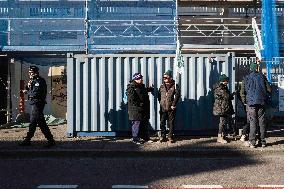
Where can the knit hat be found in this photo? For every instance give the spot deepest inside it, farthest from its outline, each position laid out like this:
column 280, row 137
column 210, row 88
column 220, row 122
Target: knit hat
column 137, row 76
column 253, row 66
column 169, row 73
column 223, row 78
column 33, row 69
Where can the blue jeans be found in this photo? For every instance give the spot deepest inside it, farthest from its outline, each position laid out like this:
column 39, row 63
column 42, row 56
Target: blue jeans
column 135, row 129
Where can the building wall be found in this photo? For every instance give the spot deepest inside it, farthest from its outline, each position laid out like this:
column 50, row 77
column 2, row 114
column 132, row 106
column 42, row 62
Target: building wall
column 96, row 86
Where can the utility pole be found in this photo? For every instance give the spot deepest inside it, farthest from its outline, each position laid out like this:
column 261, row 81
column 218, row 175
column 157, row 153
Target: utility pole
column 86, row 32
column 8, row 113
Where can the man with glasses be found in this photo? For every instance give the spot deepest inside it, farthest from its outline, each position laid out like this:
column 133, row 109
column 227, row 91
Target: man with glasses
column 169, row 94
column 36, row 90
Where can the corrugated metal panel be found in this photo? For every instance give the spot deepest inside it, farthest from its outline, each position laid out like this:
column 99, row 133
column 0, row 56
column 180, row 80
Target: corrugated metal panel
column 100, row 82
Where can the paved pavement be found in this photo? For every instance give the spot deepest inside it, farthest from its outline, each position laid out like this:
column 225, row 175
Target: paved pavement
column 110, row 146
column 105, row 162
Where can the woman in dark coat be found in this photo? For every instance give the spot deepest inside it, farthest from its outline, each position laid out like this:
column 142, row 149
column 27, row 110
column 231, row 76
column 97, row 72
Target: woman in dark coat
column 139, row 108
column 223, row 105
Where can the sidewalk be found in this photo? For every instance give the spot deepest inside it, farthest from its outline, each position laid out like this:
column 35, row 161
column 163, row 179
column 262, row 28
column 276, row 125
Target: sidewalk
column 123, row 147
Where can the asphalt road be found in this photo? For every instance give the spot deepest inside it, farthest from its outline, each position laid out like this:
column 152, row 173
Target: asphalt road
column 87, row 173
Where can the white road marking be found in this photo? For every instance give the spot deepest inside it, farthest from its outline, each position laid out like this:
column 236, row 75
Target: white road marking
column 271, row 186
column 58, row 186
column 202, row 186
column 129, row 186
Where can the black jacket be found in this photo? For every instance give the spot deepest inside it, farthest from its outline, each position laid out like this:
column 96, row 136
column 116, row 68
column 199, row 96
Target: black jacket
column 37, row 91
column 138, row 102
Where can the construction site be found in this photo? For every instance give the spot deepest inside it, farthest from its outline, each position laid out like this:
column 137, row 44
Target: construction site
column 88, row 50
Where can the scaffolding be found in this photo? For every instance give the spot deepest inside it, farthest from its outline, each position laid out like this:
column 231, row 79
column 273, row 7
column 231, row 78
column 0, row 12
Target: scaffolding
column 152, row 26
column 269, row 34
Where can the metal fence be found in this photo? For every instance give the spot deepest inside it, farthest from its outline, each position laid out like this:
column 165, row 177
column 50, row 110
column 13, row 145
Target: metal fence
column 96, row 85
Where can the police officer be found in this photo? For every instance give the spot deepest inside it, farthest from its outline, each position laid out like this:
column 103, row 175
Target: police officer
column 36, row 90
column 254, row 92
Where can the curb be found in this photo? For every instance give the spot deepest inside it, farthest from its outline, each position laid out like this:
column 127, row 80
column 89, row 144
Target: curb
column 191, row 153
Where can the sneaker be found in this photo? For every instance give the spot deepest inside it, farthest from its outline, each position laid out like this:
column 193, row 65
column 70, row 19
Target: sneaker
column 25, row 142
column 243, row 138
column 149, row 141
column 50, row 143
column 137, row 141
column 249, row 144
column 263, row 144
column 220, row 139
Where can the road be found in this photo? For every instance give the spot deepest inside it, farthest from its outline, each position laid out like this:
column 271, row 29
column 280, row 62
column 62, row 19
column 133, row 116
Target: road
column 89, row 173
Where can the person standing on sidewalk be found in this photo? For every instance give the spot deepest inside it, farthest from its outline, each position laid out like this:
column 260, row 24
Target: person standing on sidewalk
column 254, row 93
column 36, row 90
column 223, row 105
column 139, row 108
column 169, row 94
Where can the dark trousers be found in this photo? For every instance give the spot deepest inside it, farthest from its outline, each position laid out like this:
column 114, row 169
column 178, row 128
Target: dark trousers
column 170, row 118
column 37, row 119
column 144, row 130
column 226, row 121
column 256, row 117
column 245, row 130
column 140, row 129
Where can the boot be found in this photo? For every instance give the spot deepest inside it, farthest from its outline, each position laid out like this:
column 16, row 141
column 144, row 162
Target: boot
column 25, row 142
column 171, row 140
column 221, row 139
column 50, row 143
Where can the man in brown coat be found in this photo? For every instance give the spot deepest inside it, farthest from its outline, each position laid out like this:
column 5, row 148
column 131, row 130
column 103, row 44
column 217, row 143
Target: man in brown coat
column 169, row 94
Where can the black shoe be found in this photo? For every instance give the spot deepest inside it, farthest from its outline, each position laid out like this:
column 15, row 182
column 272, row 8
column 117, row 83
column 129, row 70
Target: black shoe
column 163, row 140
column 25, row 142
column 137, row 141
column 50, row 143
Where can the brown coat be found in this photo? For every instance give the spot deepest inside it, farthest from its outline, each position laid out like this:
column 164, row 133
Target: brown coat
column 168, row 96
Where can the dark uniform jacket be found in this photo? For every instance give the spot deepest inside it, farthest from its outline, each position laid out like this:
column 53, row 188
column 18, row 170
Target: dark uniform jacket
column 223, row 100
column 168, row 96
column 138, row 102
column 37, row 91
column 254, row 89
